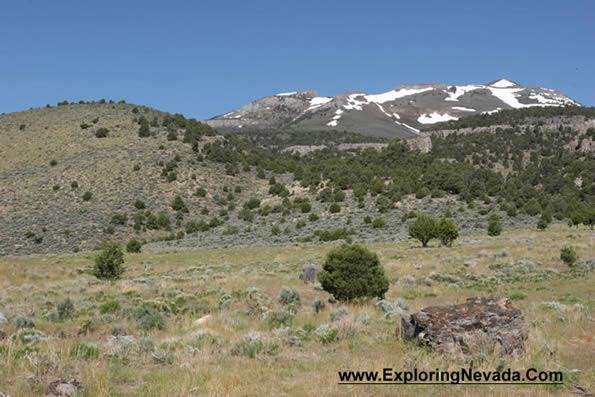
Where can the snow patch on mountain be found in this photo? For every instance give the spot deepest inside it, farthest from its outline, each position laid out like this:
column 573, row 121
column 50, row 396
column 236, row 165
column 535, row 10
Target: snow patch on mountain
column 464, row 109
column 460, row 91
column 408, row 126
column 395, row 94
column 507, row 95
column 382, row 110
column 286, row 93
column 353, row 103
column 317, row 102
column 503, row 83
column 492, row 111
column 336, row 117
column 435, row 117
column 551, row 99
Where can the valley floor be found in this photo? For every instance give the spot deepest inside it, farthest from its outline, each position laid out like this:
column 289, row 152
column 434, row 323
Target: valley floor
column 140, row 335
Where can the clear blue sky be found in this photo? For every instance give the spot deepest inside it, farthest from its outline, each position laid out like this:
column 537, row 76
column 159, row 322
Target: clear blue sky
column 203, row 58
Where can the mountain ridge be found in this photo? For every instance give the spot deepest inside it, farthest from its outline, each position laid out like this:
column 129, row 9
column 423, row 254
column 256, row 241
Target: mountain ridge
column 399, row 113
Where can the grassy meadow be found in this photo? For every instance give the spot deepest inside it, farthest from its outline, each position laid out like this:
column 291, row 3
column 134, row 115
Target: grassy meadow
column 139, row 336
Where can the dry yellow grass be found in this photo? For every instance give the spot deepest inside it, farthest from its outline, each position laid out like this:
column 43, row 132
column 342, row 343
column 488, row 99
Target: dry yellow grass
column 204, row 365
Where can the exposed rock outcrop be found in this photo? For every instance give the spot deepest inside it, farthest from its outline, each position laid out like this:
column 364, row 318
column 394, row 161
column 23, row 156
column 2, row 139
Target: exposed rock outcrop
column 478, row 325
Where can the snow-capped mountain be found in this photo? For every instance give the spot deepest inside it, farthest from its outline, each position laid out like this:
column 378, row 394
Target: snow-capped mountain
column 401, row 112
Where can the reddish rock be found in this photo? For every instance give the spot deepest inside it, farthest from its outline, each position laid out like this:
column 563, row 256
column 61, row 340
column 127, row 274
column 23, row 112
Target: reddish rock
column 478, row 325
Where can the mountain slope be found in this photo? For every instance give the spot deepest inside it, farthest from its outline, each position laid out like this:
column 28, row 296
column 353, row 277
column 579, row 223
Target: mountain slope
column 154, row 177
column 399, row 113
column 48, row 162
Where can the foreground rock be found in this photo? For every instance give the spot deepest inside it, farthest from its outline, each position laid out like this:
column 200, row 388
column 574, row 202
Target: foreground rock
column 479, row 325
column 64, row 387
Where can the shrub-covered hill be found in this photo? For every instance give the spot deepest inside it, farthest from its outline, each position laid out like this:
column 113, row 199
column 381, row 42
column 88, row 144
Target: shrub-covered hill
column 77, row 174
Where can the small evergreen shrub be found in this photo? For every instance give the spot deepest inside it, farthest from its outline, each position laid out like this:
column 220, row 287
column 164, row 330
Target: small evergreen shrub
column 351, row 271
column 252, row 203
column 544, row 220
column 334, row 208
column 179, row 205
column 109, row 262
column 200, row 192
column 378, row 223
column 568, row 255
column 133, row 245
column 119, row 219
column 144, row 130
column 494, row 225
column 101, row 132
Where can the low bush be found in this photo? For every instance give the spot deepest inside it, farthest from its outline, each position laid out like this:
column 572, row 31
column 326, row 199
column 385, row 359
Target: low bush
column 568, row 255
column 109, row 262
column 65, row 310
column 133, row 245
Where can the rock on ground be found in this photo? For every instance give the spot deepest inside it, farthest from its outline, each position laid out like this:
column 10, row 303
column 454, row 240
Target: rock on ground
column 64, row 387
column 478, row 325
column 3, row 318
column 309, row 273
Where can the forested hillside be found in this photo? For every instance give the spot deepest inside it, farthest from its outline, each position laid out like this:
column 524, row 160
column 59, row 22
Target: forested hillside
column 77, row 174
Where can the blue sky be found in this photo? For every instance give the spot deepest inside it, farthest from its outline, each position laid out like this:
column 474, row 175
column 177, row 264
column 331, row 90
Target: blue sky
column 203, row 58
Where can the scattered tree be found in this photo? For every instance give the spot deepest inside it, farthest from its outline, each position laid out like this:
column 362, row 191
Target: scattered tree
column 424, row 229
column 447, row 231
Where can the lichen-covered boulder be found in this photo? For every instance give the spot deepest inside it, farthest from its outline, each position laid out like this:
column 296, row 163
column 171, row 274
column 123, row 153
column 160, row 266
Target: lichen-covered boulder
column 478, row 325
